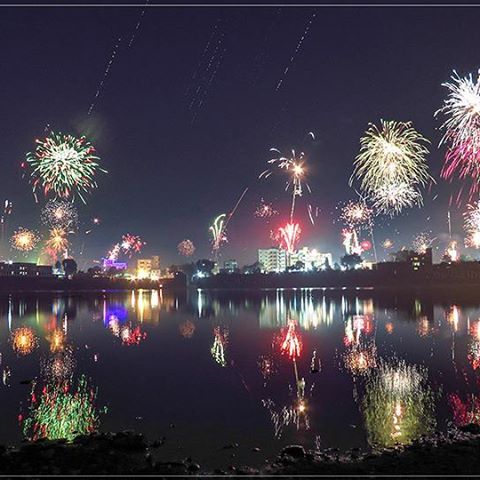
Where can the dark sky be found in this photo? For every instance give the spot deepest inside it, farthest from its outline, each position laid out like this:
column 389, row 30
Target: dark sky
column 183, row 132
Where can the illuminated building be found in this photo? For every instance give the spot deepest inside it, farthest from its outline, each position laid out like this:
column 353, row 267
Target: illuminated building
column 230, row 266
column 18, row 269
column 311, row 258
column 272, row 259
column 149, row 268
column 112, row 264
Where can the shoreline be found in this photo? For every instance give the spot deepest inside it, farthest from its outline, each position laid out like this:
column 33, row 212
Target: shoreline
column 128, row 453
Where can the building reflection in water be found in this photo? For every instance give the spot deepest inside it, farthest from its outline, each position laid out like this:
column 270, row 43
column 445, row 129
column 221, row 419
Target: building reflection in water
column 311, row 312
column 398, row 404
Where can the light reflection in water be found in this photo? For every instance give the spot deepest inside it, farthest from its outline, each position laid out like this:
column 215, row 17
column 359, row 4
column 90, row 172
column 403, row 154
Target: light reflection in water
column 398, row 404
column 396, row 401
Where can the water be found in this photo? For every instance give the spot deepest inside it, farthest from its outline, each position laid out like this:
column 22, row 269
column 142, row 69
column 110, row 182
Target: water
column 206, row 371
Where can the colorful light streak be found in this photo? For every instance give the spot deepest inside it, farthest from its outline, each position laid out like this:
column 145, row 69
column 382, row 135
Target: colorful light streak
column 60, row 411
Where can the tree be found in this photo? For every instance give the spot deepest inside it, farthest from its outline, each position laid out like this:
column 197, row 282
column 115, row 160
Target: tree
column 351, row 261
column 256, row 267
column 94, row 271
column 205, row 267
column 298, row 266
column 69, row 266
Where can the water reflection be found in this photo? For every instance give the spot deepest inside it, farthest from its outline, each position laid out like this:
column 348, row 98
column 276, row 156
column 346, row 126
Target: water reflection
column 61, row 410
column 24, row 341
column 220, row 342
column 306, row 363
column 398, row 405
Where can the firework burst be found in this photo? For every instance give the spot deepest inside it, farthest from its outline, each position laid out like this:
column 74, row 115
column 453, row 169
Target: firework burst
column 59, row 367
column 294, row 165
column 64, row 165
column 289, row 236
column 265, row 210
column 472, row 225
column 186, row 248
column 57, row 242
column 357, row 215
column 131, row 244
column 217, row 231
column 392, row 198
column 462, row 130
column 24, row 240
column 421, row 242
column 391, row 166
column 60, row 214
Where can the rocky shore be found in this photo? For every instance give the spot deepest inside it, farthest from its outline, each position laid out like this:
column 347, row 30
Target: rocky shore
column 128, row 453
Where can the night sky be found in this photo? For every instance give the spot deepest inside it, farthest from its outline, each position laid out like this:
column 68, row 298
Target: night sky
column 189, row 110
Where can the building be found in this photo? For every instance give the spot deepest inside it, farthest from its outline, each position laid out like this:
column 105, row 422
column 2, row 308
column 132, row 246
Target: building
column 230, row 266
column 109, row 264
column 149, row 268
column 272, row 259
column 19, row 269
column 312, row 259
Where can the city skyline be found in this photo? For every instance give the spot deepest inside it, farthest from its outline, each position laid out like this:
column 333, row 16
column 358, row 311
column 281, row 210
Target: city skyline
column 248, row 79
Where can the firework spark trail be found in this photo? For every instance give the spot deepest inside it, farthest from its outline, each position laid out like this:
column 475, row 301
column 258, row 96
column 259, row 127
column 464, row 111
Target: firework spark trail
column 137, row 26
column 230, row 215
column 259, row 58
column 293, row 165
column 105, row 75
column 217, row 230
column 203, row 90
column 202, row 57
column 295, row 53
column 206, row 71
column 289, row 236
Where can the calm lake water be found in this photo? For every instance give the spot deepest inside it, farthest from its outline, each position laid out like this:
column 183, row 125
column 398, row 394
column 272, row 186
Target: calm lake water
column 260, row 369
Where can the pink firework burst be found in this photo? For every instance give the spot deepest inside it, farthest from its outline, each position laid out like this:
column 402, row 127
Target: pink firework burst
column 131, row 244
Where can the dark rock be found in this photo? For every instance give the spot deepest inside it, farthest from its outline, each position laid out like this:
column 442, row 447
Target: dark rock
column 295, row 451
